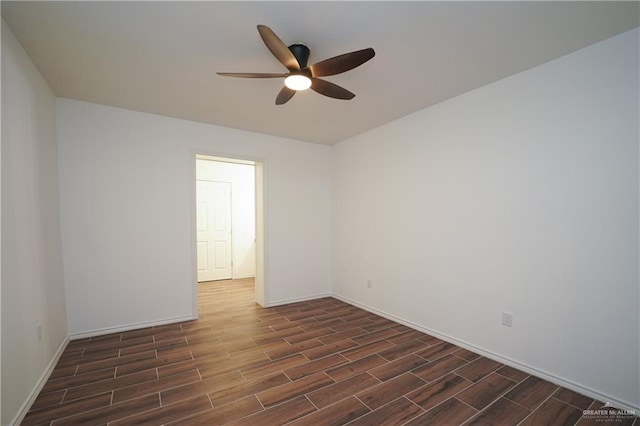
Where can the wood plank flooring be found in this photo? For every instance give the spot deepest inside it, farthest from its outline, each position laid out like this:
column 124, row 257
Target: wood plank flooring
column 321, row 362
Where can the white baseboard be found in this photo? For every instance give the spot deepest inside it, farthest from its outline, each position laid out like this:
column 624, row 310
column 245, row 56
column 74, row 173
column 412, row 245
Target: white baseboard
column 122, row 328
column 296, row 300
column 240, row 277
column 24, row 408
column 560, row 381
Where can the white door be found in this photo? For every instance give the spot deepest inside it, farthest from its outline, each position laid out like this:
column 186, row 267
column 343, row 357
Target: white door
column 213, row 217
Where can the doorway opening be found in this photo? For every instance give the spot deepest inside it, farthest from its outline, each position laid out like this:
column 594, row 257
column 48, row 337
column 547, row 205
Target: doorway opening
column 229, row 225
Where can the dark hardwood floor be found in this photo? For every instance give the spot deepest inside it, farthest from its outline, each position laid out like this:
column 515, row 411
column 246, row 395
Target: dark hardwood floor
column 322, row 362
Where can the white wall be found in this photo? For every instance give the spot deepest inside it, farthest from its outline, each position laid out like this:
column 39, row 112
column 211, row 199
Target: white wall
column 126, row 208
column 32, row 278
column 520, row 196
column 243, row 210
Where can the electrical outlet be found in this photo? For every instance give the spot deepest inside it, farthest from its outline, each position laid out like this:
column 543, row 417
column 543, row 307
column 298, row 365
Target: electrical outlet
column 369, row 284
column 507, row 319
column 39, row 331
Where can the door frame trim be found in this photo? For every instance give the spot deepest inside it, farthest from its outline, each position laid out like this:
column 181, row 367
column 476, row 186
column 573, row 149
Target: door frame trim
column 261, row 178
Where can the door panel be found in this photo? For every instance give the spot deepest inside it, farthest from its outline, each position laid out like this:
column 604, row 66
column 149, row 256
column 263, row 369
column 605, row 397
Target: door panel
column 221, row 254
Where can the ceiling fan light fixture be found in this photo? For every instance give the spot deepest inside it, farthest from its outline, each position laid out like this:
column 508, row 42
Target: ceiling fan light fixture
column 297, row 82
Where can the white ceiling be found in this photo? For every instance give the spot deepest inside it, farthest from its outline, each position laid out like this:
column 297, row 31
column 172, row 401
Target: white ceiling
column 161, row 57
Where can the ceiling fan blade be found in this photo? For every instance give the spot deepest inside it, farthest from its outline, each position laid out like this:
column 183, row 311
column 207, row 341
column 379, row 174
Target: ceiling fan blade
column 341, row 63
column 284, row 95
column 251, row 74
column 278, row 48
column 331, row 90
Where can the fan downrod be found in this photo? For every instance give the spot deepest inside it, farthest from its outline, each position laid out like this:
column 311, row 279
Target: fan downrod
column 301, row 53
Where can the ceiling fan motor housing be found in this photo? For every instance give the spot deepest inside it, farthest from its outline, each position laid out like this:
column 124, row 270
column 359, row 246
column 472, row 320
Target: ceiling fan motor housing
column 301, row 52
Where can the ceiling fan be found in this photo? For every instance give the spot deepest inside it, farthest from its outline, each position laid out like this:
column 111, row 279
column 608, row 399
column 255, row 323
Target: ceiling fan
column 301, row 76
